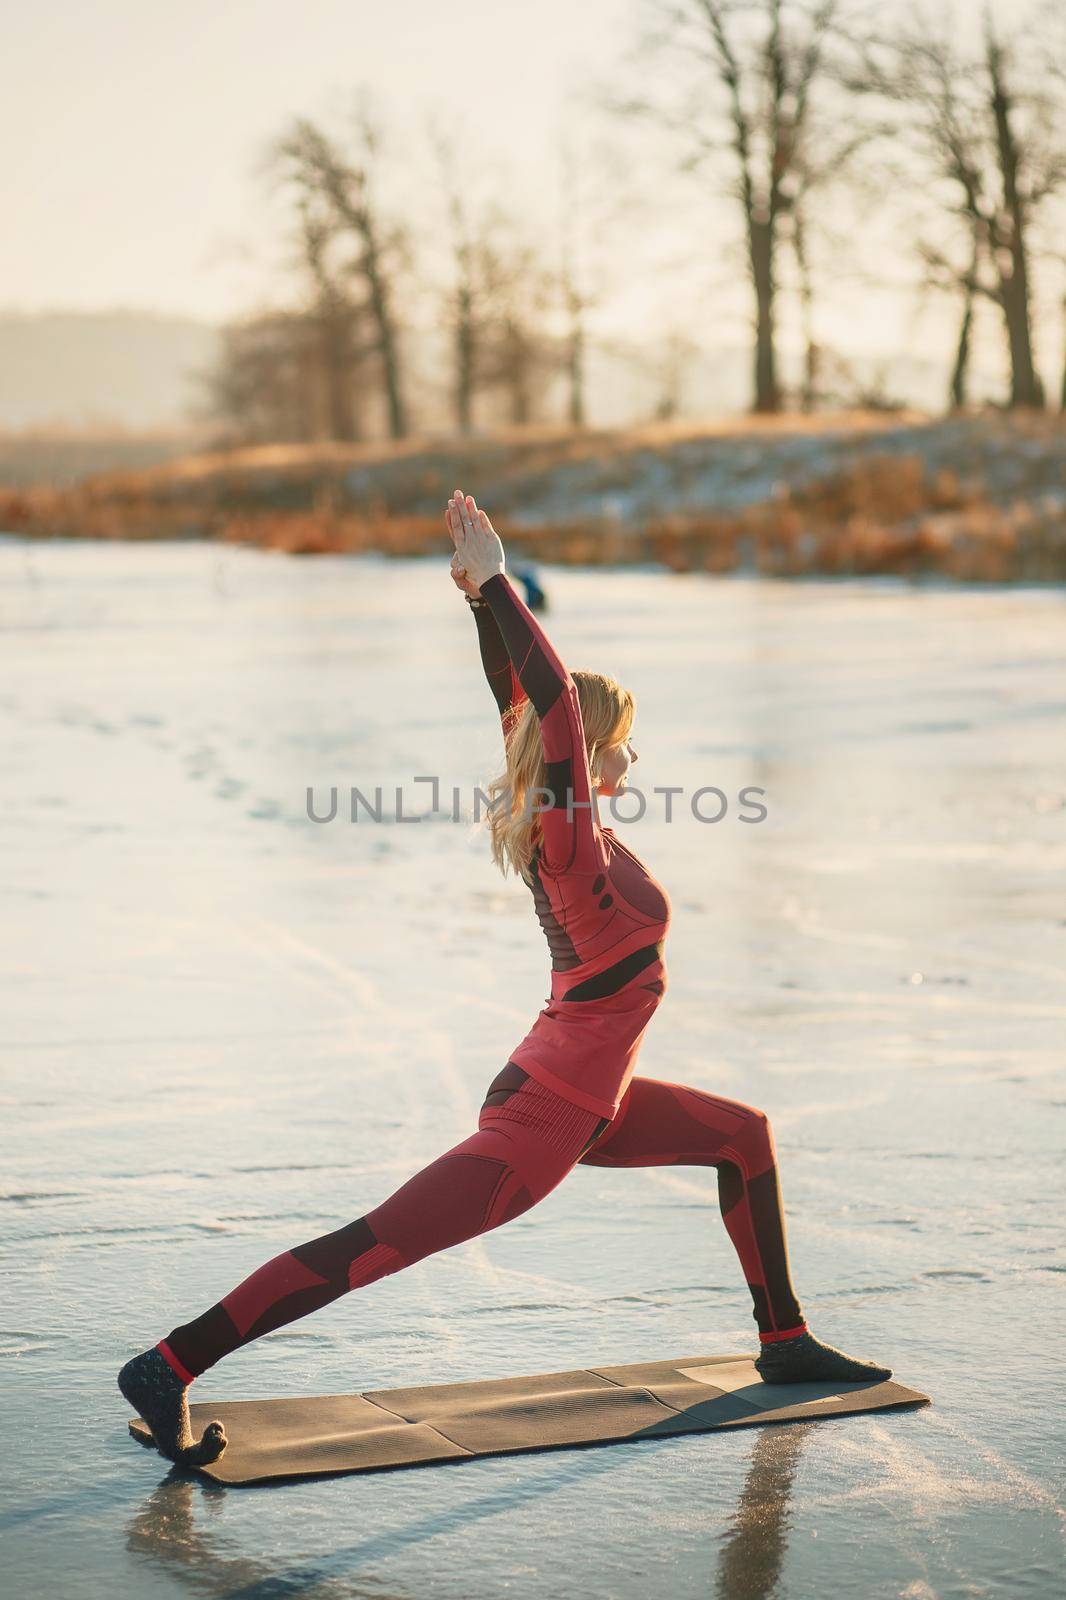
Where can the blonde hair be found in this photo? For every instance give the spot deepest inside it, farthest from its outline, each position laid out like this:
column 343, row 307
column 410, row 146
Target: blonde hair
column 606, row 718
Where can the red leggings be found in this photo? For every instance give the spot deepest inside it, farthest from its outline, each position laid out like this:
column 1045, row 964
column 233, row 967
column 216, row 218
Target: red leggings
column 528, row 1139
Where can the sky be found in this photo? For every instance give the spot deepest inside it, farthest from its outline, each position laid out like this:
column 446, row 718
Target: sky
column 138, row 125
column 136, row 132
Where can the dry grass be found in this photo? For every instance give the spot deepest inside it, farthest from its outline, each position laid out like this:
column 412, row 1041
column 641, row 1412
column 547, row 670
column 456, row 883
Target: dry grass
column 880, row 511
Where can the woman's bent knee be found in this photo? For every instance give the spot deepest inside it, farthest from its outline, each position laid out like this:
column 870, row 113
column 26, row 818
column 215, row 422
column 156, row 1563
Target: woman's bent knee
column 756, row 1142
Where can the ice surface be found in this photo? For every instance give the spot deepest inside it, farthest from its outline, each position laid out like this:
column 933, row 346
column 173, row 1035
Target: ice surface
column 228, row 1029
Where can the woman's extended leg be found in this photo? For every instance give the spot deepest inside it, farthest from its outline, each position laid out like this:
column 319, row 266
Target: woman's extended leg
column 523, row 1148
column 667, row 1124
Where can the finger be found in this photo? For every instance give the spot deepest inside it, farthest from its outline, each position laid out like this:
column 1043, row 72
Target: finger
column 455, row 526
column 466, row 514
column 480, row 518
column 463, row 522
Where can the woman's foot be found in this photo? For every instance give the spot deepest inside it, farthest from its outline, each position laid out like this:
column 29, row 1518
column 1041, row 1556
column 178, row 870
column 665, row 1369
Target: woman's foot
column 157, row 1394
column 805, row 1359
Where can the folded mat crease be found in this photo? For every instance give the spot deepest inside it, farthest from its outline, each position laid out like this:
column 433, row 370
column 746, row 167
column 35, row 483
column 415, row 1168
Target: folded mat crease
column 322, row 1435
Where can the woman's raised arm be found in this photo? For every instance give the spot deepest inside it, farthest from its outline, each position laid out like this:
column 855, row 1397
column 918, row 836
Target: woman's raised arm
column 570, row 825
column 502, row 679
column 507, row 692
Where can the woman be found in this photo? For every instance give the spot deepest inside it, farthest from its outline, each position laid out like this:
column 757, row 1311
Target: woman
column 568, row 1093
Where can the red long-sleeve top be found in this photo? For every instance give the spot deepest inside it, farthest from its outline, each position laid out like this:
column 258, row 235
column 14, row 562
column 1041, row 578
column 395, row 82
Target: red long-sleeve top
column 604, row 915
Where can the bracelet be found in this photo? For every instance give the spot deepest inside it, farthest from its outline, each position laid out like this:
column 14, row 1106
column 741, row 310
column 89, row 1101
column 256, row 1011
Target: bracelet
column 471, row 602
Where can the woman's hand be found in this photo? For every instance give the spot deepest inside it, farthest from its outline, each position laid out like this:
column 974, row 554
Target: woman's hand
column 458, row 572
column 477, row 545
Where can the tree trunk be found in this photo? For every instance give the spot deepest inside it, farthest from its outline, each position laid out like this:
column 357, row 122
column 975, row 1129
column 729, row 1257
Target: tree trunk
column 346, row 189
column 343, row 426
column 387, row 346
column 809, row 392
column 570, row 202
column 306, row 413
column 1025, row 389
column 575, row 365
column 464, row 361
column 1025, row 386
column 339, row 361
column 761, row 250
column 961, row 370
column 517, row 368
column 351, row 207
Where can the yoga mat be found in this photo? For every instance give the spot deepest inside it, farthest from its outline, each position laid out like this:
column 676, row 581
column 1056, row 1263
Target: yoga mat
column 323, row 1435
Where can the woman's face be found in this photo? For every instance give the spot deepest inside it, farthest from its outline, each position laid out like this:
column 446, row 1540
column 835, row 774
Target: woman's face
column 615, row 763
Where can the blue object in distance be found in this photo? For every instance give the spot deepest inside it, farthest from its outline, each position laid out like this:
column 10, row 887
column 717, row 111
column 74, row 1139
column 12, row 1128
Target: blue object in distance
column 536, row 599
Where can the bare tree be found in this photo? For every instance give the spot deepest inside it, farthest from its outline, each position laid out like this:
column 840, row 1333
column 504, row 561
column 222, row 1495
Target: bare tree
column 464, row 325
column 521, row 357
column 497, row 296
column 575, row 303
column 986, row 127
column 958, row 391
column 471, row 221
column 598, row 196
column 758, row 64
column 336, row 322
column 670, row 369
column 262, row 387
column 318, row 166
column 293, row 374
column 809, row 387
column 1009, row 226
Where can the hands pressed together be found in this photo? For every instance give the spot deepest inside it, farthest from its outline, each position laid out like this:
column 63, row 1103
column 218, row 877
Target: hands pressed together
column 478, row 551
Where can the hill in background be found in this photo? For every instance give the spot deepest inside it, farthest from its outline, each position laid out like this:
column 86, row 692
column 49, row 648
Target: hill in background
column 104, row 370
column 112, row 374
column 980, row 496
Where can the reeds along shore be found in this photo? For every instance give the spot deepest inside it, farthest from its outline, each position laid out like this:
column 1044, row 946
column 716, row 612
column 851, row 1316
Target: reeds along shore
column 998, row 515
